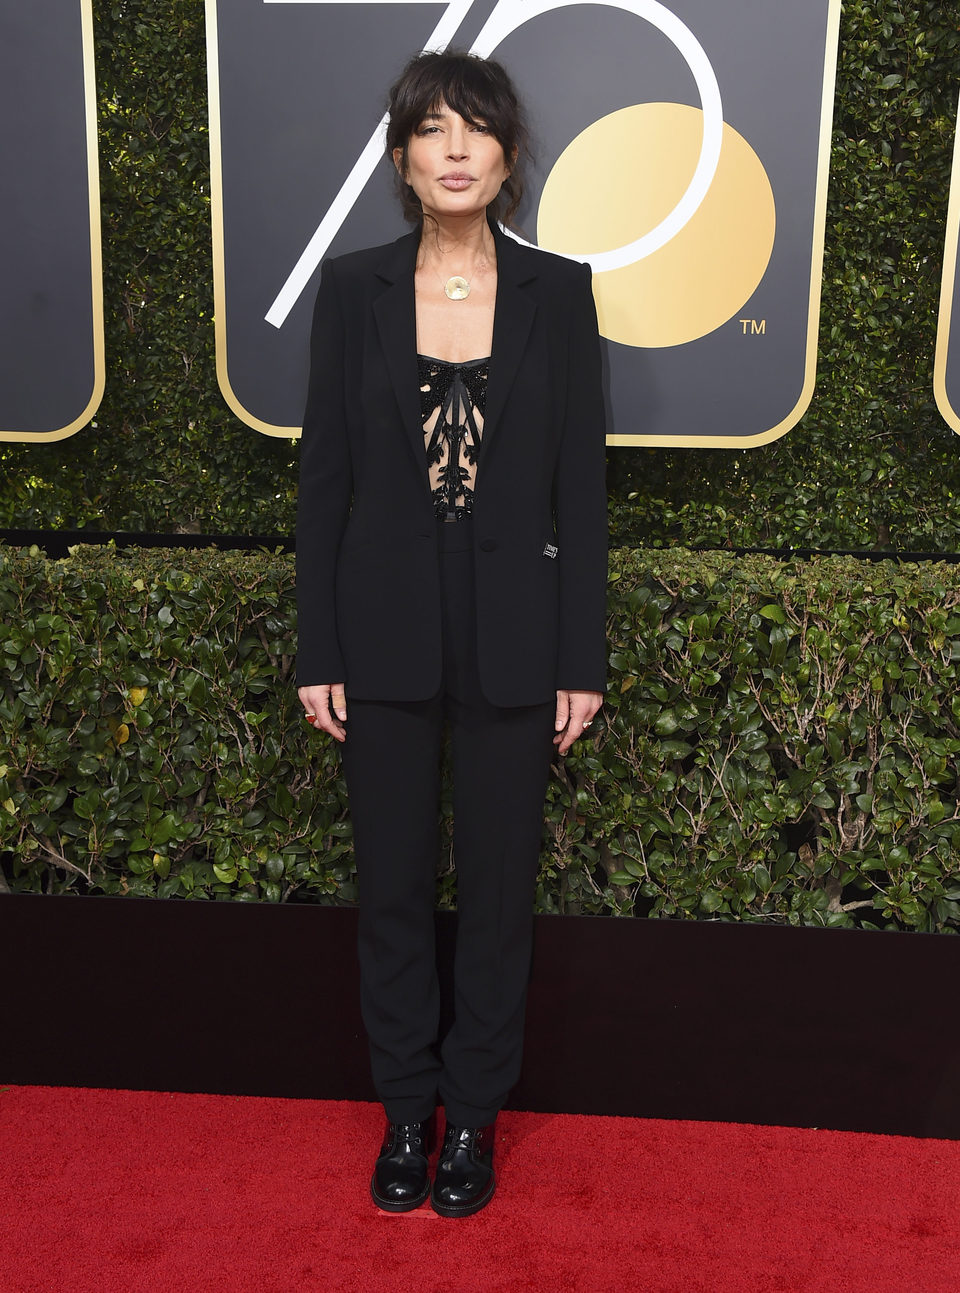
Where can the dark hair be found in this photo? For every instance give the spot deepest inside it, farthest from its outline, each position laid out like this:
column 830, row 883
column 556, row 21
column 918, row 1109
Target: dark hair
column 479, row 90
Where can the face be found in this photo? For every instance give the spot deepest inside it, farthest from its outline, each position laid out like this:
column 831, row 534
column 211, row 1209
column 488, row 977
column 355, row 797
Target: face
column 453, row 166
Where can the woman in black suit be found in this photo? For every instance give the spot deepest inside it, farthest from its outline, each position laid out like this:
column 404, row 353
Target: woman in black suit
column 451, row 566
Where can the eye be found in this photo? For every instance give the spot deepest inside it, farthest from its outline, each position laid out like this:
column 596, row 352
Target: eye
column 428, row 130
column 481, row 127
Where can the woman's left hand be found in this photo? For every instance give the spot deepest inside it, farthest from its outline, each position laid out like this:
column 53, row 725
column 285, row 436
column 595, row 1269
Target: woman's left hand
column 575, row 711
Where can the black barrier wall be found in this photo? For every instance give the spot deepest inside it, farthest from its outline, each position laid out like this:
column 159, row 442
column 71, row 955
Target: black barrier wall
column 661, row 1019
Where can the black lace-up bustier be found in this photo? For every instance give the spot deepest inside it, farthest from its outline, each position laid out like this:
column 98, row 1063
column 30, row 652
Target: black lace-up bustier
column 452, row 401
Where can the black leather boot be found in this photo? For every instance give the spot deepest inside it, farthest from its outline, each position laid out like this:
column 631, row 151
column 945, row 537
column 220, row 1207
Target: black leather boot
column 400, row 1181
column 465, row 1181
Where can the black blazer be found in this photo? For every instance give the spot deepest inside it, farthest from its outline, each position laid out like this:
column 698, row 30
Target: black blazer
column 368, row 588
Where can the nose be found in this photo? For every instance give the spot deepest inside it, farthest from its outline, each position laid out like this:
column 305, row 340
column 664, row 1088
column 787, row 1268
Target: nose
column 457, row 147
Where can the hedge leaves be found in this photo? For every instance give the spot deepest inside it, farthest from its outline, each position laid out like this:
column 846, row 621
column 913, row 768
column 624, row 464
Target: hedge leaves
column 779, row 740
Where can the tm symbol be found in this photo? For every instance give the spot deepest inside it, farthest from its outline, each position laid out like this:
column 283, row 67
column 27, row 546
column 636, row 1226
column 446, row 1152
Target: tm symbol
column 753, row 327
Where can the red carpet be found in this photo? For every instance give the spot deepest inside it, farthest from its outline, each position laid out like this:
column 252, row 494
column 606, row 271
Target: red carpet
column 151, row 1193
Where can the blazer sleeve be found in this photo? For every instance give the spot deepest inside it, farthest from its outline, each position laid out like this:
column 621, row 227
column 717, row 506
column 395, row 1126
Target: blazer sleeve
column 324, row 496
column 581, row 505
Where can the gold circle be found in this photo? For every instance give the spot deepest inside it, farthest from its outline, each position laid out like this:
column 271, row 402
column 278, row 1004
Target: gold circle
column 456, row 288
column 624, row 174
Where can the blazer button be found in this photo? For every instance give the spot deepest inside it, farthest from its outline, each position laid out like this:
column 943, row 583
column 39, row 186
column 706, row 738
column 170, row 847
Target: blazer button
column 488, row 545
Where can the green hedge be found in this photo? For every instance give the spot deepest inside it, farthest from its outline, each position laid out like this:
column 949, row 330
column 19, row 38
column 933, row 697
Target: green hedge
column 872, row 464
column 779, row 742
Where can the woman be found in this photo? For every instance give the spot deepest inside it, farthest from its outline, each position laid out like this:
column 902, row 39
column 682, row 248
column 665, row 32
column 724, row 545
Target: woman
column 451, row 565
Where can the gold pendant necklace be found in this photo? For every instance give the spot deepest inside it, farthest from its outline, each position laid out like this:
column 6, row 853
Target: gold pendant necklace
column 456, row 288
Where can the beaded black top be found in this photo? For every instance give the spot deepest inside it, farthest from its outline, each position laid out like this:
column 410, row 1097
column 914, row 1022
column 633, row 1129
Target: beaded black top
column 452, row 401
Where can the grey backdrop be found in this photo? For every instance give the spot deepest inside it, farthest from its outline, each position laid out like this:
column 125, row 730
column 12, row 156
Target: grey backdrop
column 302, row 87
column 49, row 320
column 948, row 344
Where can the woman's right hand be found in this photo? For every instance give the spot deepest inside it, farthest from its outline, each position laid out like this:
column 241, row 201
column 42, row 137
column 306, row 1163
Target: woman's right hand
column 324, row 704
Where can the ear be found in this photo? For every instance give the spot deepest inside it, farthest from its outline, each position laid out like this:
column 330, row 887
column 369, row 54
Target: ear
column 398, row 161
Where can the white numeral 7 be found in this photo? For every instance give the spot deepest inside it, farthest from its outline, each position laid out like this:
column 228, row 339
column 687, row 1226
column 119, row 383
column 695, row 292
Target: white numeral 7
column 363, row 168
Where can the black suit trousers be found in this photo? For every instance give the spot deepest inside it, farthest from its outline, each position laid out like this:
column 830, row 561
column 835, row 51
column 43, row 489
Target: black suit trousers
column 501, row 758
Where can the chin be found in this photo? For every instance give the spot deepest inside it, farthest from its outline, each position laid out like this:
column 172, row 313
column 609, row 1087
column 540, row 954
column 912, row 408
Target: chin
column 461, row 208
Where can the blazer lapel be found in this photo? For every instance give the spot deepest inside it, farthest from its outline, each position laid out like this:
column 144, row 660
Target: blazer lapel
column 512, row 320
column 395, row 313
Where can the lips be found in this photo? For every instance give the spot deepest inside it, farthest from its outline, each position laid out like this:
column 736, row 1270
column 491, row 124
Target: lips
column 456, row 180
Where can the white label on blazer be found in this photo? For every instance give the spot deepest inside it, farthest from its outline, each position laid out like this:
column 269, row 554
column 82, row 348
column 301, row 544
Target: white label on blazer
column 550, row 550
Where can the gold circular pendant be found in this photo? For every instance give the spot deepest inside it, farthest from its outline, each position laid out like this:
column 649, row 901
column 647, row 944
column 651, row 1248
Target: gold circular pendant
column 456, row 288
